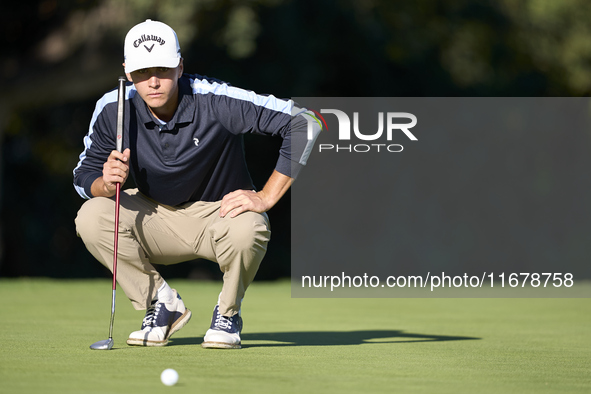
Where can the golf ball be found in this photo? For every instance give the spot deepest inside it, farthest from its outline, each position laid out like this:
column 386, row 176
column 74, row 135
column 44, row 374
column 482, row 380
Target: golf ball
column 169, row 377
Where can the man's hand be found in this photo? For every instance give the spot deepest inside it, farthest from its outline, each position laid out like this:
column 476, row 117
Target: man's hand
column 115, row 170
column 239, row 201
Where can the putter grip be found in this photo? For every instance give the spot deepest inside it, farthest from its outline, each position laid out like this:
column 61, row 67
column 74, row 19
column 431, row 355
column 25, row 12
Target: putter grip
column 120, row 112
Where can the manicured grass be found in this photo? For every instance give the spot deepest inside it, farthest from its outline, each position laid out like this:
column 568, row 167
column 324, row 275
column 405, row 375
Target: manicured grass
column 295, row 345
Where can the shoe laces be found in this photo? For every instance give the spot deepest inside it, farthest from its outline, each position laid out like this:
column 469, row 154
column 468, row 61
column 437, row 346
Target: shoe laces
column 151, row 314
column 223, row 322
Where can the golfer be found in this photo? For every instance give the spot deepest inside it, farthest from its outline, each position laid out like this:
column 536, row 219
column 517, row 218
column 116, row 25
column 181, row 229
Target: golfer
column 183, row 147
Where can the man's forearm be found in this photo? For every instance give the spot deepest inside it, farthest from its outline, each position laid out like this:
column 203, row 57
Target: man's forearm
column 275, row 188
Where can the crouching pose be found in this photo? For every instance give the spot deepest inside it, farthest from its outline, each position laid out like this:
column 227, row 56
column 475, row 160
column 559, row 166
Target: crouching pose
column 183, row 146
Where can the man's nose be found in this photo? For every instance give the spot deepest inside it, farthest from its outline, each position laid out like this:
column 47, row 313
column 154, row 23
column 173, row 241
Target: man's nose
column 154, row 81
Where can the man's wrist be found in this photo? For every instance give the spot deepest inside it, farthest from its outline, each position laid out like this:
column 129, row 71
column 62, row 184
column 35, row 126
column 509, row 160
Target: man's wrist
column 99, row 188
column 106, row 190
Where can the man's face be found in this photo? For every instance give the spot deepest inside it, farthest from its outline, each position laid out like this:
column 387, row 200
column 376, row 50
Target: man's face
column 158, row 86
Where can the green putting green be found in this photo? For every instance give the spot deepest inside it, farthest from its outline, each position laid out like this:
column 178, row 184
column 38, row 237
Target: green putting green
column 295, row 345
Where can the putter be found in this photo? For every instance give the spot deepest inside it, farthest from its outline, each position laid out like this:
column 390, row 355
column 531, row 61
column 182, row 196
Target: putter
column 107, row 344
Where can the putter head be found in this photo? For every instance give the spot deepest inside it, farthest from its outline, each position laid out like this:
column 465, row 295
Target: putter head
column 106, row 344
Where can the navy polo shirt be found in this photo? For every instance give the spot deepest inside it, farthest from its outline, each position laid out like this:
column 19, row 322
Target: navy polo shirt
column 199, row 154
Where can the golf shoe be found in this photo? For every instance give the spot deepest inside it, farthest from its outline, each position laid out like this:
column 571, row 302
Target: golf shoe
column 161, row 321
column 224, row 332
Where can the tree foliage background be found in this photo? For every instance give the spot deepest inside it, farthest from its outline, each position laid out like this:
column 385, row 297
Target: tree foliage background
column 59, row 57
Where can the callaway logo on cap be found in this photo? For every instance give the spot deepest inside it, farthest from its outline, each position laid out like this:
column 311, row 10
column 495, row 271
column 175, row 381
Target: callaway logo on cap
column 151, row 44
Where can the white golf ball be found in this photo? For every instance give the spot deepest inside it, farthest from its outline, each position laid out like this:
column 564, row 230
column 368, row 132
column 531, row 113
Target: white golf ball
column 169, row 377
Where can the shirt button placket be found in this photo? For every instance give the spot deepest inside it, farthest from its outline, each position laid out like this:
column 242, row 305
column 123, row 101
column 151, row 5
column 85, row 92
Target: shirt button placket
column 165, row 145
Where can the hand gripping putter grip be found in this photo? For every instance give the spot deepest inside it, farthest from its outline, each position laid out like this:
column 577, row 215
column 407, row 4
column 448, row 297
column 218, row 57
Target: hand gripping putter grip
column 107, row 344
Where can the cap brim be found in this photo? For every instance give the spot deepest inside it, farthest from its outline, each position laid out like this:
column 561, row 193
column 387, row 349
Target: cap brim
column 167, row 62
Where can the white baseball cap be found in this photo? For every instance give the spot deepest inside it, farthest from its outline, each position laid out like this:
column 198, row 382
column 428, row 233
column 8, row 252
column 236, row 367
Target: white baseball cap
column 151, row 44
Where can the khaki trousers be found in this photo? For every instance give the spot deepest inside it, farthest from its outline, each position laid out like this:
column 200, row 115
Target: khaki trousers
column 152, row 233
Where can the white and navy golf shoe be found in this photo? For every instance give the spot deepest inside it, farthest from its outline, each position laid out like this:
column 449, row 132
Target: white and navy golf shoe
column 224, row 332
column 161, row 321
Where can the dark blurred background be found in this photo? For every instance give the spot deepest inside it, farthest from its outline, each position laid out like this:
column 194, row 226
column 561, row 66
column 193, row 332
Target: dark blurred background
column 59, row 57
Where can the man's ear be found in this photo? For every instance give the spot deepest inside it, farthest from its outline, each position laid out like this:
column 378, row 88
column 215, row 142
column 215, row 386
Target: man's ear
column 181, row 68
